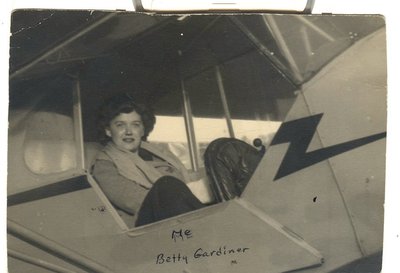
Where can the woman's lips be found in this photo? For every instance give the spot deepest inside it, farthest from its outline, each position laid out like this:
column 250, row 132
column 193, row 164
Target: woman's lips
column 128, row 140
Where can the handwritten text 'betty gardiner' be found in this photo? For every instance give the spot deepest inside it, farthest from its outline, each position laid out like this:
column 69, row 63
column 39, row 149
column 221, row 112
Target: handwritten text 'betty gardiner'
column 199, row 253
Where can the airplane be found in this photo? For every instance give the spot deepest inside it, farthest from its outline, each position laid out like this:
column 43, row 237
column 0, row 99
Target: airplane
column 310, row 88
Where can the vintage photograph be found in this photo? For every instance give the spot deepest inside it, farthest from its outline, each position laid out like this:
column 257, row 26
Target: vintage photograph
column 196, row 143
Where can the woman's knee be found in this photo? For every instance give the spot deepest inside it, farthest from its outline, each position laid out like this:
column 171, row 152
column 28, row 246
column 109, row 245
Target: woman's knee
column 168, row 182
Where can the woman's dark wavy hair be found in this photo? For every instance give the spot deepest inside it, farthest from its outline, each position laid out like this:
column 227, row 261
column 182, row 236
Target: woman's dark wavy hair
column 124, row 103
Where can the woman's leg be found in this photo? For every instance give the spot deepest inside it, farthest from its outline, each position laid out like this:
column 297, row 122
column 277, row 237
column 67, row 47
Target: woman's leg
column 168, row 197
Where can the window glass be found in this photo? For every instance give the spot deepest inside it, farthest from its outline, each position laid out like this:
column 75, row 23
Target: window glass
column 310, row 41
column 48, row 145
column 248, row 130
column 41, row 139
column 208, row 116
column 258, row 101
column 170, row 132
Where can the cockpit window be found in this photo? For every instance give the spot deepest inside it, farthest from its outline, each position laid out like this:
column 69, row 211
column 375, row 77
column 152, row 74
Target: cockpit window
column 42, row 134
column 49, row 145
column 301, row 45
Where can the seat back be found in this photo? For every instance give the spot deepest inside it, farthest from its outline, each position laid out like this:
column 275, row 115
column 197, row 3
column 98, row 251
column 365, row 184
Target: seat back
column 229, row 164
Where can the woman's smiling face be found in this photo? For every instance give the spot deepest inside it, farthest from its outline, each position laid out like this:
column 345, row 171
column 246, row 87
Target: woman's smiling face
column 126, row 131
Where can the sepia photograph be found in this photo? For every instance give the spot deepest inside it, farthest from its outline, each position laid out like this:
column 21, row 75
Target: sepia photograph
column 221, row 142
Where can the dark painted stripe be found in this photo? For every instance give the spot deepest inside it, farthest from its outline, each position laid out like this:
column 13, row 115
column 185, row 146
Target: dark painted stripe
column 299, row 134
column 51, row 190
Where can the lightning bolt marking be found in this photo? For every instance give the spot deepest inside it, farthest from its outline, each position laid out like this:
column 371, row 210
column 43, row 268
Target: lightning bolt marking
column 299, row 134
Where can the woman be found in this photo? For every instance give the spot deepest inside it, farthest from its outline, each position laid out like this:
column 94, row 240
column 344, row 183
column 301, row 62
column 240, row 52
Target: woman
column 139, row 178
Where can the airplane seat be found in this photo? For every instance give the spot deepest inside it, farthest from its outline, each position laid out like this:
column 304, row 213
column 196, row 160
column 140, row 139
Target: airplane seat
column 91, row 150
column 230, row 164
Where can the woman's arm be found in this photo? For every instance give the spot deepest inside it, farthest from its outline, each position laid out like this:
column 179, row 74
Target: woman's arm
column 122, row 192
